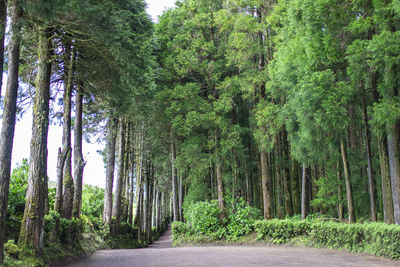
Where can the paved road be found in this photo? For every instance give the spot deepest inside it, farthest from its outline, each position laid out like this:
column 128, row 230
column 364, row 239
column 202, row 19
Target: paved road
column 161, row 253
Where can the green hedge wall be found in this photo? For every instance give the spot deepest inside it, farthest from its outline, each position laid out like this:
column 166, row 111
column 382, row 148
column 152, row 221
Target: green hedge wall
column 374, row 238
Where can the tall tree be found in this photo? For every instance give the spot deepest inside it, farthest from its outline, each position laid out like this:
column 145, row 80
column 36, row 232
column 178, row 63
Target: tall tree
column 31, row 234
column 112, row 126
column 9, row 111
column 79, row 163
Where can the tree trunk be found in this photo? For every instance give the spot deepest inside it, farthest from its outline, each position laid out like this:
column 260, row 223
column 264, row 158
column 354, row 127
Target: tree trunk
column 218, row 174
column 340, row 202
column 286, row 174
column 296, row 196
column 265, row 180
column 79, row 163
column 117, row 205
column 31, row 234
column 3, row 22
column 9, row 112
column 394, row 166
column 175, row 205
column 112, row 126
column 349, row 194
column 149, row 202
column 181, row 198
column 68, row 188
column 304, row 193
column 132, row 170
column 371, row 184
column 388, row 212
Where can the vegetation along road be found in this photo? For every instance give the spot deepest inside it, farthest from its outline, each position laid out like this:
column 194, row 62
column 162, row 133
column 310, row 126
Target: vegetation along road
column 161, row 253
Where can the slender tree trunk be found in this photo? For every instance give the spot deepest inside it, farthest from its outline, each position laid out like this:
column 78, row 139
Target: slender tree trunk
column 68, row 187
column 79, row 163
column 112, row 126
column 265, row 180
column 349, row 194
column 371, row 184
column 9, row 113
column 132, row 177
column 31, row 234
column 286, row 173
column 296, row 196
column 340, row 201
column 149, row 202
column 218, row 174
column 304, row 193
column 3, row 22
column 117, row 205
column 388, row 212
column 393, row 143
column 175, row 205
column 181, row 198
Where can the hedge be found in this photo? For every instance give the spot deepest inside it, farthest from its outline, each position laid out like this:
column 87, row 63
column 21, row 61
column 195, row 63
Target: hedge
column 374, row 238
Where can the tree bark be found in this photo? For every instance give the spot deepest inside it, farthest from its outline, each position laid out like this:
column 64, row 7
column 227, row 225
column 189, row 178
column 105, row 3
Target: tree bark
column 286, row 173
column 3, row 22
column 296, row 196
column 388, row 212
column 265, row 181
column 349, row 194
column 175, row 205
column 304, row 193
column 79, row 163
column 371, row 183
column 117, row 205
column 112, row 126
column 68, row 182
column 9, row 112
column 340, row 202
column 220, row 182
column 31, row 234
column 393, row 144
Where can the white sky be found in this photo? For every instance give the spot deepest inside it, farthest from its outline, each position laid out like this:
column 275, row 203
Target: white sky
column 94, row 172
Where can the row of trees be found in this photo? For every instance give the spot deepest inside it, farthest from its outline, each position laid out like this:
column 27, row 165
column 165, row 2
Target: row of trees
column 98, row 56
column 291, row 104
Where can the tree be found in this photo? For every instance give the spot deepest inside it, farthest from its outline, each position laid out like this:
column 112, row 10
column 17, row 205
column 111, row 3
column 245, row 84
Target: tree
column 9, row 113
column 31, row 234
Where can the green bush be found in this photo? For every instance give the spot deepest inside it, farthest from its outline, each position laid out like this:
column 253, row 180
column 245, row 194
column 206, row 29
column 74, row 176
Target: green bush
column 281, row 231
column 374, row 238
column 92, row 201
column 203, row 218
column 180, row 229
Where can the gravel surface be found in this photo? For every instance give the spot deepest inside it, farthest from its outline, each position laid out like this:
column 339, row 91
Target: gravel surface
column 161, row 253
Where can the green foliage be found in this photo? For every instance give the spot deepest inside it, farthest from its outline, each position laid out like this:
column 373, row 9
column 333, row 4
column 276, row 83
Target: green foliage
column 281, row 231
column 374, row 238
column 17, row 191
column 92, row 201
column 203, row 218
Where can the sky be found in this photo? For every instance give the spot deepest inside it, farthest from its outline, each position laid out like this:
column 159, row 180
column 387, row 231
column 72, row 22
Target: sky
column 94, row 173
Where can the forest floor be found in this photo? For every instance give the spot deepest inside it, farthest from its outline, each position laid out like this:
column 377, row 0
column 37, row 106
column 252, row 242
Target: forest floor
column 161, row 253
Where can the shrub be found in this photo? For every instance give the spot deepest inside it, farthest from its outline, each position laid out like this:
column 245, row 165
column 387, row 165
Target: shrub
column 281, row 231
column 203, row 218
column 180, row 229
column 241, row 218
column 375, row 238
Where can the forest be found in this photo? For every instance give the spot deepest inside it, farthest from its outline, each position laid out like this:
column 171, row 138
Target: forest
column 219, row 115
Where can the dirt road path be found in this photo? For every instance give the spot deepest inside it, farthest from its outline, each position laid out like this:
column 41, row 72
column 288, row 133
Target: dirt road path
column 161, row 253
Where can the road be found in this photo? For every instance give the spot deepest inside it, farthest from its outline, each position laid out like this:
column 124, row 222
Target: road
column 161, row 253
